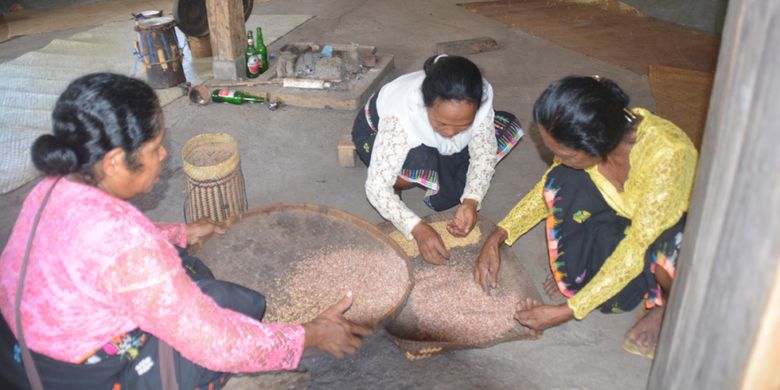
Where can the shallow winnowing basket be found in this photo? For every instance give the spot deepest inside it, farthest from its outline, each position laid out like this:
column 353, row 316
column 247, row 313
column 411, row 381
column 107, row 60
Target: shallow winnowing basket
column 215, row 184
column 416, row 334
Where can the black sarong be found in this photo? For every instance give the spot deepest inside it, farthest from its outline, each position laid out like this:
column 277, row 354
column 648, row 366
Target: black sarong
column 583, row 231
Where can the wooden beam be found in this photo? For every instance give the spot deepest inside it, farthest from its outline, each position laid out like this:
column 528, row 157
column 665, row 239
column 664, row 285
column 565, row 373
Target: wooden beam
column 228, row 38
column 720, row 299
column 466, row 46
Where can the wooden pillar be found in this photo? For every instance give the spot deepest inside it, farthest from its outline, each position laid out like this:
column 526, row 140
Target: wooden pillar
column 720, row 330
column 228, row 38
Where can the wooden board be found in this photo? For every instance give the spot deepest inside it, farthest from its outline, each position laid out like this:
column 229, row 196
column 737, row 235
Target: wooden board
column 348, row 99
column 466, row 46
column 346, row 148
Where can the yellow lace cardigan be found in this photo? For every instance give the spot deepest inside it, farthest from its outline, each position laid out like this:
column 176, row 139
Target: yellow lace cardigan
column 656, row 194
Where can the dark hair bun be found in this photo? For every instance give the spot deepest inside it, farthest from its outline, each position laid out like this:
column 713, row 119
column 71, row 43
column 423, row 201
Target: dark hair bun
column 52, row 156
column 429, row 63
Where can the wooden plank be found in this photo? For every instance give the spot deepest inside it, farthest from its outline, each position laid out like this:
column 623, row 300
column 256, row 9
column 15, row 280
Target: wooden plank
column 466, row 46
column 729, row 260
column 350, row 99
column 346, row 148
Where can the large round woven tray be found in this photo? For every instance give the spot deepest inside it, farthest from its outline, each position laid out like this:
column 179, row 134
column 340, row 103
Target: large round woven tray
column 405, row 327
column 262, row 244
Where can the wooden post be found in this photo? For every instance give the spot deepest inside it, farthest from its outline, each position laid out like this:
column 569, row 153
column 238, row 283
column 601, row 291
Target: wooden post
column 720, row 330
column 228, row 38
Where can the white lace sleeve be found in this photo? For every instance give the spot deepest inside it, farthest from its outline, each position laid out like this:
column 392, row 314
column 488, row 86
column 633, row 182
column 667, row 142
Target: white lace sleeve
column 390, row 149
column 482, row 163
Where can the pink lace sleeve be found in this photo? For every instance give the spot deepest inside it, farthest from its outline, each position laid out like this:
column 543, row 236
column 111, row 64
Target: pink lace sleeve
column 162, row 300
column 175, row 233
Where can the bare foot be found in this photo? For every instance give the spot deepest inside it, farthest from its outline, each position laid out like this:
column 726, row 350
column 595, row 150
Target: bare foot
column 527, row 303
column 551, row 288
column 643, row 336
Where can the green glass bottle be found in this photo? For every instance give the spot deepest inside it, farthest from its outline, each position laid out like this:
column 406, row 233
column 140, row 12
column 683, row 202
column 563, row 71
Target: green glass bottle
column 252, row 59
column 234, row 97
column 261, row 50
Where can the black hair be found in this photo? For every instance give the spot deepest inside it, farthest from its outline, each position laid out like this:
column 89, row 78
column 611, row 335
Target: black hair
column 451, row 78
column 97, row 113
column 588, row 114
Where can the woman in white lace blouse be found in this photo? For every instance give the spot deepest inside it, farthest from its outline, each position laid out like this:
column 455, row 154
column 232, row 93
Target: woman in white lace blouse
column 434, row 129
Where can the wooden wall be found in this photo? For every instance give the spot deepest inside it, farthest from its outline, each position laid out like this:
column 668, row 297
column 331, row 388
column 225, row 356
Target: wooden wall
column 716, row 324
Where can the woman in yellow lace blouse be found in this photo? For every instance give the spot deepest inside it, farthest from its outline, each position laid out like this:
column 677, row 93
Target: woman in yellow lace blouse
column 614, row 201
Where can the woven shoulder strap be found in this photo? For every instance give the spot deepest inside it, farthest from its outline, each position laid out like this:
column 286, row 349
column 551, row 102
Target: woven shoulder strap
column 29, row 365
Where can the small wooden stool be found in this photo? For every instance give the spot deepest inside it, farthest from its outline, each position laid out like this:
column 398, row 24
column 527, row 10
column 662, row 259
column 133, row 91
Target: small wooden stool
column 346, row 148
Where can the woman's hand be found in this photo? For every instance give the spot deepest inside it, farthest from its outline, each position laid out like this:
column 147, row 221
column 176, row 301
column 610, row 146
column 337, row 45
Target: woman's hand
column 489, row 260
column 533, row 314
column 430, row 244
column 465, row 219
column 201, row 229
column 332, row 333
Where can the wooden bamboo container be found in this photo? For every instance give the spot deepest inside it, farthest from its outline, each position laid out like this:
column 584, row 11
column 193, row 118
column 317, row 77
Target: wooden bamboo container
column 215, row 183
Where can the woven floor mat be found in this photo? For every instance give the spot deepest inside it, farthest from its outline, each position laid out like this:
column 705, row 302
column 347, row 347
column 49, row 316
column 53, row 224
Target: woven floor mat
column 34, row 81
column 682, row 96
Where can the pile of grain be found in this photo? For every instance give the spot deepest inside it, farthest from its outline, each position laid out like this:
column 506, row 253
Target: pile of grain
column 450, row 307
column 450, row 241
column 378, row 280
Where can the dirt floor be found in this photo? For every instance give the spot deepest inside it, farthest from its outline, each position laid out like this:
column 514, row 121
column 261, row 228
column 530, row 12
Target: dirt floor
column 290, row 155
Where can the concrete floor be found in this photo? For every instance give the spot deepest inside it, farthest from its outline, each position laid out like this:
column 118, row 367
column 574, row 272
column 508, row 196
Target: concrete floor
column 290, row 155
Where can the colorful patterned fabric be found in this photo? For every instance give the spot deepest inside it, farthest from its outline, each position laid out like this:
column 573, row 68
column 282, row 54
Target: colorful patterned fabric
column 552, row 229
column 508, row 133
column 124, row 347
column 427, row 178
column 369, row 116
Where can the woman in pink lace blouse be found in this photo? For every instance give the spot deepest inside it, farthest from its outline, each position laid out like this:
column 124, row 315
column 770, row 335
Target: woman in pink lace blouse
column 105, row 286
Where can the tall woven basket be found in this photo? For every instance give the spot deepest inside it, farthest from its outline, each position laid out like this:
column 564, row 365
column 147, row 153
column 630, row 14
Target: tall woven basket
column 215, row 184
